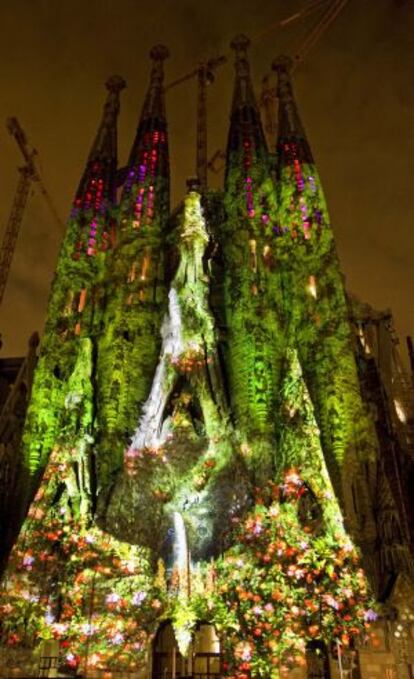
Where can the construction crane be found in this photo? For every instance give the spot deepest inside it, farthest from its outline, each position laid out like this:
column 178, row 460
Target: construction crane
column 205, row 75
column 268, row 101
column 29, row 173
column 268, row 98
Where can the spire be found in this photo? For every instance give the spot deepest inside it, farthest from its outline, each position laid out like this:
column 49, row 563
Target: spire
column 246, row 133
column 96, row 192
column 105, row 144
column 102, row 160
column 154, row 105
column 148, row 162
column 247, row 155
column 246, row 241
column 74, row 310
column 292, row 143
column 243, row 94
column 302, row 208
column 136, row 296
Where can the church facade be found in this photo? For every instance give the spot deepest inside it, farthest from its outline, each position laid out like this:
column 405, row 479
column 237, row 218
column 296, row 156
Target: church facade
column 218, row 450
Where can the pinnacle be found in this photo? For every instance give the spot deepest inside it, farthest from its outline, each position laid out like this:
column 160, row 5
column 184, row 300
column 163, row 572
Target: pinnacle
column 240, row 43
column 115, row 83
column 149, row 153
column 193, row 184
column 244, row 107
column 289, row 125
column 159, row 53
column 104, row 150
column 282, row 63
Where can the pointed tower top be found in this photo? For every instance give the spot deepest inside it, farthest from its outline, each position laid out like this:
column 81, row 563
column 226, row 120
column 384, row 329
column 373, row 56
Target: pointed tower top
column 159, row 53
column 290, row 127
column 282, row 63
column 97, row 186
column 243, row 89
column 115, row 84
column 246, row 143
column 143, row 200
column 154, row 101
column 240, row 44
column 304, row 215
column 105, row 146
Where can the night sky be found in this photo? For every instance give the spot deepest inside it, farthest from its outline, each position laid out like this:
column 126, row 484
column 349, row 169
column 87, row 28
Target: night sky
column 355, row 92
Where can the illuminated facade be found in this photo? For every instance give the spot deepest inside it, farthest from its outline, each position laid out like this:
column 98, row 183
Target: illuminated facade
column 202, row 449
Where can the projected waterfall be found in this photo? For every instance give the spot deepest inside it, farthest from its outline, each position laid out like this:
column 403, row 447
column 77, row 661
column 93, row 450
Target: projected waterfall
column 186, row 331
column 181, row 554
column 149, row 434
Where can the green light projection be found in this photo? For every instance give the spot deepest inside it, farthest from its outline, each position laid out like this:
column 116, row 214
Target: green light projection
column 158, row 445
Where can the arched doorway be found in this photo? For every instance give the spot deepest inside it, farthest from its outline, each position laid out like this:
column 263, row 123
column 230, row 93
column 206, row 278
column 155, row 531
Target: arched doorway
column 203, row 661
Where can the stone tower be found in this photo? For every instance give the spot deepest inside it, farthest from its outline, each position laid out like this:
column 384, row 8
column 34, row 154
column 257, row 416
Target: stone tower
column 198, row 438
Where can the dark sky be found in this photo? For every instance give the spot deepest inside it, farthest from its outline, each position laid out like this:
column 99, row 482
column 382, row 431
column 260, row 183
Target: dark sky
column 355, row 92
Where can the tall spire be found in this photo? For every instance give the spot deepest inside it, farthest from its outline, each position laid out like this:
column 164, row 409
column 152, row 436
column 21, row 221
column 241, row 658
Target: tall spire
column 136, row 295
column 252, row 334
column 104, row 148
column 243, row 94
column 97, row 190
column 292, row 143
column 74, row 306
column 316, row 306
column 148, row 161
column 154, row 105
column 246, row 135
column 302, row 208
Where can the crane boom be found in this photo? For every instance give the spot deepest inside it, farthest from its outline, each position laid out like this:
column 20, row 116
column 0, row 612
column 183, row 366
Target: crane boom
column 28, row 173
column 18, row 133
column 205, row 73
column 11, row 233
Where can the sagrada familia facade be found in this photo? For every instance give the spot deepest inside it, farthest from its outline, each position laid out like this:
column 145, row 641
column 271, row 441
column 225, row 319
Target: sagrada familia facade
column 217, row 456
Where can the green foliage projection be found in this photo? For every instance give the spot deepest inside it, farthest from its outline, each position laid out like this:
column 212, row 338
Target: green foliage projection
column 184, row 455
column 130, row 341
column 317, row 322
column 254, row 340
column 146, row 423
column 75, row 304
column 65, row 326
